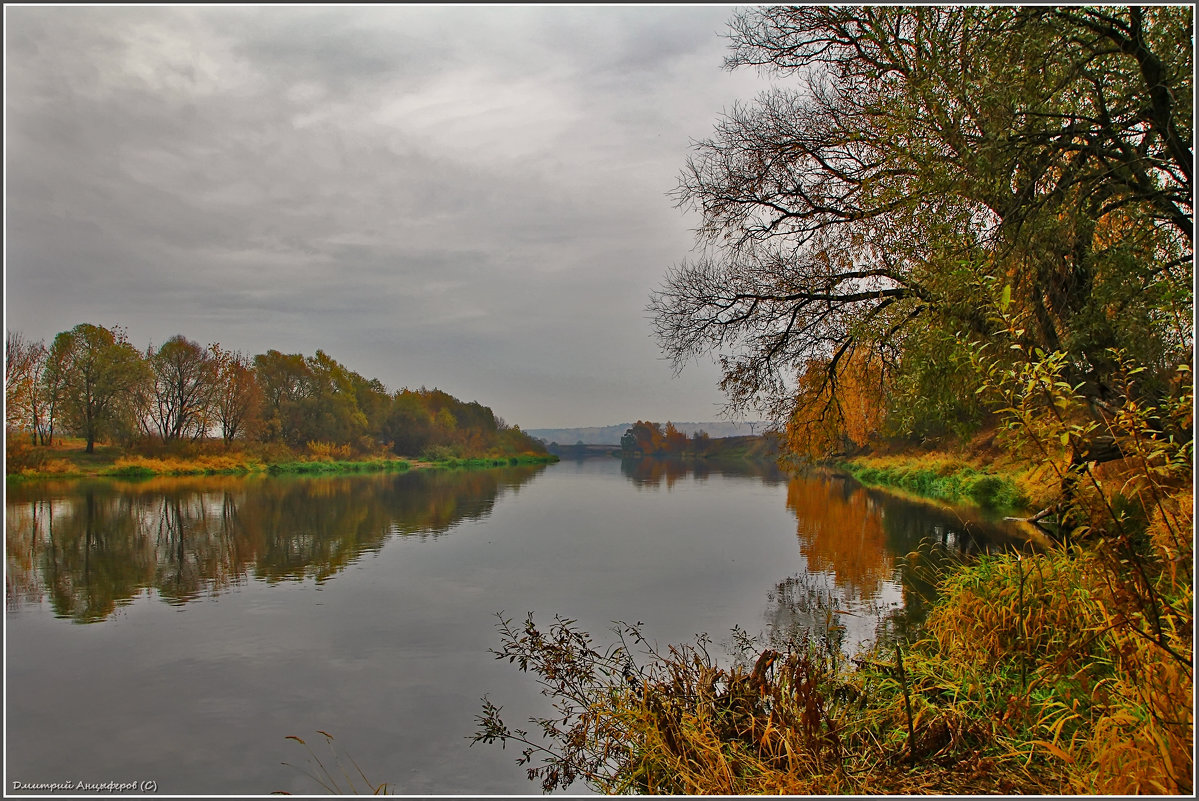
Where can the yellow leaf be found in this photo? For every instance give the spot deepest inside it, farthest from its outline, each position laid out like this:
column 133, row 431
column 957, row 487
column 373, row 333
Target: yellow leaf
column 1057, row 752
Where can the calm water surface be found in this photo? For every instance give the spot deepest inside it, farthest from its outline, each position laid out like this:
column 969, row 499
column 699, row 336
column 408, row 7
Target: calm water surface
column 179, row 630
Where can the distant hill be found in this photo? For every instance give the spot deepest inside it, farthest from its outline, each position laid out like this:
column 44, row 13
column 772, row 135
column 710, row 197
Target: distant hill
column 610, row 435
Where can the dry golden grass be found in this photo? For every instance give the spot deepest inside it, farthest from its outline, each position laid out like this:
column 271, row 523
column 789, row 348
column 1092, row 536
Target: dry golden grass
column 328, row 452
column 1036, row 674
column 177, row 466
column 1089, row 681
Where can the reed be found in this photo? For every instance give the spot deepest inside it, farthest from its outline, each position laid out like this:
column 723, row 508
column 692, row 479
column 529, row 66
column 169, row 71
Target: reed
column 326, row 776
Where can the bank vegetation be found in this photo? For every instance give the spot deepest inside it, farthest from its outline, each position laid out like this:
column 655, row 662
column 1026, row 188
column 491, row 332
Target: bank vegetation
column 942, row 224
column 91, row 403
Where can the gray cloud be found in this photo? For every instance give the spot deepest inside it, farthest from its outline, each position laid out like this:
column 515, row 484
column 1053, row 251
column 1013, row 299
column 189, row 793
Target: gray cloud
column 470, row 198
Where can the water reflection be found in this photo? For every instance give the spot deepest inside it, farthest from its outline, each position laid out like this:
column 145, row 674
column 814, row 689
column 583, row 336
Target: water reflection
column 872, row 559
column 91, row 547
column 856, row 533
column 655, row 472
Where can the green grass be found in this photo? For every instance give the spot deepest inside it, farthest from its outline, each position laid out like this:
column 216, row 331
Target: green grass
column 367, row 466
column 494, row 461
column 943, row 482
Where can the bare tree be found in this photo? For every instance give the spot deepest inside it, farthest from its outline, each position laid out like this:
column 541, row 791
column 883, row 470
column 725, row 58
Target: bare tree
column 184, row 389
column 922, row 157
column 22, row 367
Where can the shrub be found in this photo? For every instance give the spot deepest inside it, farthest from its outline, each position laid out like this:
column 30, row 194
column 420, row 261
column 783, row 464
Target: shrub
column 20, row 456
column 328, row 451
column 440, row 453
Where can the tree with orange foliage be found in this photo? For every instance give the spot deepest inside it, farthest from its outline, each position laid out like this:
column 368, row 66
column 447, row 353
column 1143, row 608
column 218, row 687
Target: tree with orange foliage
column 928, row 163
column 239, row 399
column 673, row 440
column 840, row 405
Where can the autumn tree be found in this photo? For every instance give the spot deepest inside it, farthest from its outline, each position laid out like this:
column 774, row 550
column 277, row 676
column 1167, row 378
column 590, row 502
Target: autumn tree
column 329, row 409
column 238, row 399
column 22, row 360
column 424, row 420
column 511, row 440
column 285, row 380
column 99, row 373
column 48, row 392
column 374, row 401
column 645, row 437
column 916, row 161
column 409, row 425
column 673, row 440
column 182, row 395
column 826, row 422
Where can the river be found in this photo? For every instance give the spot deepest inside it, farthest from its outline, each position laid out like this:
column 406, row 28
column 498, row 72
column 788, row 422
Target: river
column 177, row 631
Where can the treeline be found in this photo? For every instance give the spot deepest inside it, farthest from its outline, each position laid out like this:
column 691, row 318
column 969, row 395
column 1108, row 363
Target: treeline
column 91, row 382
column 645, row 438
column 652, row 439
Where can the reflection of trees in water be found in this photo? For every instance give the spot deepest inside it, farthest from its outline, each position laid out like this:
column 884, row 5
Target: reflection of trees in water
column 196, row 544
column 841, row 533
column 805, row 604
column 653, row 471
column 23, row 584
column 95, row 546
column 93, row 556
column 861, row 540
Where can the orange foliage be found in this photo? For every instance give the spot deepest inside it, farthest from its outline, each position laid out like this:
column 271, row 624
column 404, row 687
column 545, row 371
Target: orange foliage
column 842, row 535
column 838, row 411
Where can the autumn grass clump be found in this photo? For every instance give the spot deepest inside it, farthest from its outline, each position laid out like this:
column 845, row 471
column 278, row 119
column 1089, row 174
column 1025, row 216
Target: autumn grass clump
column 326, row 776
column 22, row 460
column 214, row 464
column 1031, row 676
column 795, row 720
column 1061, row 676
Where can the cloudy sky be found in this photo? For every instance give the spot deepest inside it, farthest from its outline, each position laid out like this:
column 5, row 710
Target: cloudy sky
column 473, row 198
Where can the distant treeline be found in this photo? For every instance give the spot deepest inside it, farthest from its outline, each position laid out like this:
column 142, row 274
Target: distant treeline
column 610, row 435
column 645, row 438
column 92, row 383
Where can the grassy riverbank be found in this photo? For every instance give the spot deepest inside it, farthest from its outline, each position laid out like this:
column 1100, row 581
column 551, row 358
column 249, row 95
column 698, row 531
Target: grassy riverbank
column 68, row 459
column 947, row 478
column 1061, row 669
column 1051, row 672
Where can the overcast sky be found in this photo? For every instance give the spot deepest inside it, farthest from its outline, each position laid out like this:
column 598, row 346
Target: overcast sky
column 472, row 198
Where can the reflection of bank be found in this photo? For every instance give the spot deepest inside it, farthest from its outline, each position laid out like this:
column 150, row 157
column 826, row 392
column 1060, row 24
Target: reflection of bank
column 658, row 471
column 811, row 605
column 858, row 543
column 91, row 547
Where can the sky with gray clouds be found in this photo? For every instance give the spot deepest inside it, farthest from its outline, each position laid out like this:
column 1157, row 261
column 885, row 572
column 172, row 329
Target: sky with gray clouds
column 472, row 198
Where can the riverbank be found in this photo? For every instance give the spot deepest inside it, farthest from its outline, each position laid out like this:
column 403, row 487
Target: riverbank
column 976, row 472
column 71, row 461
column 945, row 478
column 1064, row 669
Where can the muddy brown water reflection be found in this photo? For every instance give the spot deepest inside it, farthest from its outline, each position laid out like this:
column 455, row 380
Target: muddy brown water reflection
column 177, row 630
